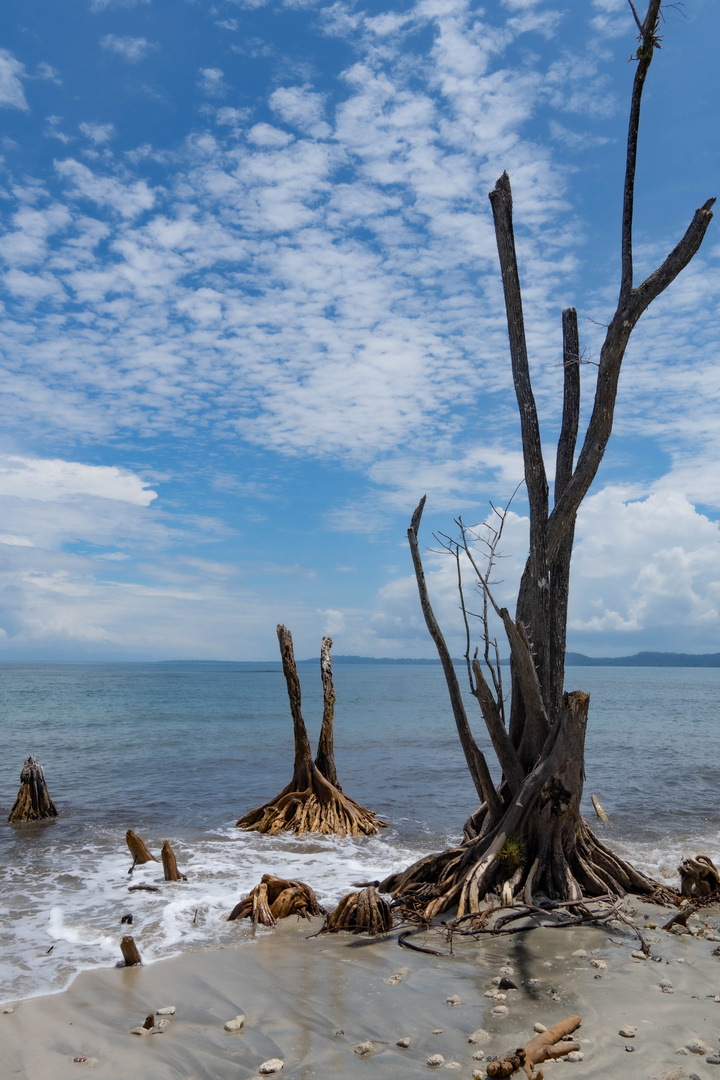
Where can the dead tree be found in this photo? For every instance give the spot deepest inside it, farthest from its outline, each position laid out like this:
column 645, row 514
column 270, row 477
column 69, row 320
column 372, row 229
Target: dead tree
column 527, row 834
column 33, row 802
column 311, row 802
column 276, row 898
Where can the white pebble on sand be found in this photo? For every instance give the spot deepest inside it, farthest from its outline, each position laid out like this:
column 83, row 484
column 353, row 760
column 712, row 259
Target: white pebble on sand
column 638, row 954
column 454, row 1000
column 363, row 1049
column 479, row 1036
column 539, row 1028
column 574, row 1055
column 161, row 1025
column 8, row 1011
column 695, row 1046
column 404, row 1043
column 453, row 1065
column 500, row 1010
column 236, row 1023
column 628, row 1032
column 478, row 1055
column 478, row 1074
column 581, row 953
column 599, row 964
column 167, row 1010
column 274, row 1065
column 138, row 1031
column 435, row 1061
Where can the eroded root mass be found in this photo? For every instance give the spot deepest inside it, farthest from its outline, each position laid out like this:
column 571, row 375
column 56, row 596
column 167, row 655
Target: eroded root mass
column 312, row 801
column 277, row 898
column 33, row 802
column 361, row 912
column 537, row 845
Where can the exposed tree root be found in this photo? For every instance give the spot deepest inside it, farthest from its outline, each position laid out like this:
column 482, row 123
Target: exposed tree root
column 361, row 912
column 33, row 802
column 698, row 876
column 539, row 845
column 547, row 1046
column 311, row 802
column 276, row 898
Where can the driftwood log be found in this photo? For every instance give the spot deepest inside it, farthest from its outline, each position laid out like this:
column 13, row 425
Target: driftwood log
column 361, row 912
column 33, row 802
column 544, row 1047
column 129, row 951
column 276, row 898
column 169, row 862
column 138, row 850
column 312, row 801
column 698, row 876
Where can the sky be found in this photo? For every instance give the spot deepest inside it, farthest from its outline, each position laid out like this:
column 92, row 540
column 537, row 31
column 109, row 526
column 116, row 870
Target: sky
column 251, row 313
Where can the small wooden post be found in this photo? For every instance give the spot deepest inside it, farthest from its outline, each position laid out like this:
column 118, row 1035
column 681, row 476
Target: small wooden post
column 170, row 864
column 129, row 950
column 138, row 850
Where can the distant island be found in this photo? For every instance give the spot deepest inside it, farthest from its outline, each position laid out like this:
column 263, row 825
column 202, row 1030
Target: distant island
column 572, row 659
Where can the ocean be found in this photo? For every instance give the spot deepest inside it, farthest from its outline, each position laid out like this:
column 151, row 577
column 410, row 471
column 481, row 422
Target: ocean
column 179, row 751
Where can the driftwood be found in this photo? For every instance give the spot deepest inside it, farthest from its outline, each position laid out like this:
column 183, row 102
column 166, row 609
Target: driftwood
column 170, row 864
column 129, row 950
column 361, row 912
column 313, row 800
column 276, row 898
column 33, row 802
column 547, row 1046
column 138, row 850
column 598, row 808
column 698, row 876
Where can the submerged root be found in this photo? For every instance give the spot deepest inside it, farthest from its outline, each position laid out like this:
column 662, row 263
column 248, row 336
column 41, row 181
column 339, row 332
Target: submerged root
column 276, row 898
column 361, row 912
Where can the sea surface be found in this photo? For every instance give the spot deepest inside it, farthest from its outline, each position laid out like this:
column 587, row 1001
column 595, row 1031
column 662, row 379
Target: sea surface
column 180, row 751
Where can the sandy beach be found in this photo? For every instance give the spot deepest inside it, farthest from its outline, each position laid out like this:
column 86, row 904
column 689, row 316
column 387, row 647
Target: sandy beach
column 309, row 1002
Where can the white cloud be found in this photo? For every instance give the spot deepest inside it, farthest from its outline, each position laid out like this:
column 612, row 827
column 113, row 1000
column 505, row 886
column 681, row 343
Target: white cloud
column 128, row 198
column 98, row 133
column 211, row 81
column 101, row 5
column 131, row 49
column 11, row 90
column 301, row 107
column 48, row 479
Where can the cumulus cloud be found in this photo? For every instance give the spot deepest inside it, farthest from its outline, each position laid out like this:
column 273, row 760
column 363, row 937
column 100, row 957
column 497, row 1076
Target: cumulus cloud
column 98, row 133
column 211, row 81
column 51, row 479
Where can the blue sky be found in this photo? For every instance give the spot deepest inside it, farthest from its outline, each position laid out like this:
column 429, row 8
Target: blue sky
column 251, row 312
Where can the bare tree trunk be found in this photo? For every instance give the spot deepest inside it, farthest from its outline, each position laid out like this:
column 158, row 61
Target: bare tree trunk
column 325, row 759
column 310, row 802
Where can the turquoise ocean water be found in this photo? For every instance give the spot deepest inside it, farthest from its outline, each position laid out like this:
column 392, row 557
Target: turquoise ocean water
column 180, row 751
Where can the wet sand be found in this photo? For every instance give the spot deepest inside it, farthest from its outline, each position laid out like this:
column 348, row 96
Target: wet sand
column 310, row 1002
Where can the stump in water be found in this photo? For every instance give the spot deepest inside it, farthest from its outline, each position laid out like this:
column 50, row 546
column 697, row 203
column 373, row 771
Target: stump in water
column 33, row 802
column 312, row 801
column 361, row 912
column 169, row 862
column 276, row 898
column 138, row 850
column 129, row 950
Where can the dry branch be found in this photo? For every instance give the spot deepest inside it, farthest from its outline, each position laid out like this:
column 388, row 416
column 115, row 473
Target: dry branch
column 310, row 802
column 33, row 802
column 547, row 1046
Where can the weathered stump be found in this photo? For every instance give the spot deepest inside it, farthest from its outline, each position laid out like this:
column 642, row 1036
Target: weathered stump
column 311, row 802
column 361, row 912
column 129, row 951
column 138, row 850
column 33, row 802
column 276, row 898
column 169, row 862
column 698, row 876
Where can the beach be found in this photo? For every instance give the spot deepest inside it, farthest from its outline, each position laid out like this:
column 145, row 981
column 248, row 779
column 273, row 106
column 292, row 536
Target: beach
column 310, row 1001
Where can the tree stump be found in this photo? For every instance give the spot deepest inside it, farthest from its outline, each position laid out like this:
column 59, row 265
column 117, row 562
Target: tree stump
column 138, row 850
column 311, row 802
column 698, row 876
column 170, row 864
column 129, row 951
column 361, row 912
column 276, row 898
column 548, row 1046
column 33, row 802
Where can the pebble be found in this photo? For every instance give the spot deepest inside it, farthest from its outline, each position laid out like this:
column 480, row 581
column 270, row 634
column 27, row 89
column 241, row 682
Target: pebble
column 628, row 1032
column 495, row 995
column 683, row 1050
column 453, row 1065
column 531, row 982
column 582, row 953
column 437, row 1031
column 666, row 986
column 539, row 1028
column 167, row 1010
column 403, row 1043
column 363, row 1049
column 478, row 1055
column 651, row 926
column 139, row 1031
column 713, row 1059
column 11, row 1010
column 394, row 980
column 236, row 1023
column 161, row 1025
column 638, row 954
column 435, row 1061
column 272, row 1066
column 712, row 935
column 454, row 1000
column 479, row 1036
column 695, row 1046
column 478, row 1074
column 599, row 964
column 574, row 1055
column 716, row 998
column 500, row 1010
